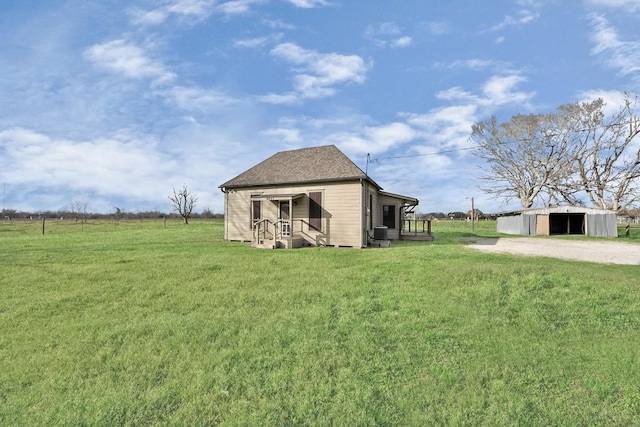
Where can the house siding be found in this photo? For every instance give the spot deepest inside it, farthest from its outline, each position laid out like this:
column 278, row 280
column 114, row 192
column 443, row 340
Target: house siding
column 341, row 219
column 393, row 233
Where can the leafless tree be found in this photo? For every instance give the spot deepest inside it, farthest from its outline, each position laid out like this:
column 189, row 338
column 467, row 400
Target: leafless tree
column 526, row 157
column 573, row 155
column 183, row 202
column 78, row 208
column 609, row 160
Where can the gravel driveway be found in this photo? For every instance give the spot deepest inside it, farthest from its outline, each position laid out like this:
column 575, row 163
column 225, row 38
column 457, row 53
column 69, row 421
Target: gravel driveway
column 588, row 250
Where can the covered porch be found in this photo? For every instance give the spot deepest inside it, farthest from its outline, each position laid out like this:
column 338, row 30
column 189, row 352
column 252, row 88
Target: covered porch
column 416, row 229
column 412, row 228
column 276, row 226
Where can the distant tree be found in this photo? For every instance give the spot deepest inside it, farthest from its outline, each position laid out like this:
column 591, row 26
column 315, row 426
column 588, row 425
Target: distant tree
column 9, row 213
column 183, row 203
column 456, row 215
column 78, row 209
column 477, row 214
column 433, row 215
column 207, row 213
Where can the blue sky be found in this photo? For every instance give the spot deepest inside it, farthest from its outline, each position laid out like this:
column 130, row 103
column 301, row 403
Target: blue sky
column 115, row 103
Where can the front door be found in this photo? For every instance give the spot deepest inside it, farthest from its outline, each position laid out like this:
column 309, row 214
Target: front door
column 284, row 217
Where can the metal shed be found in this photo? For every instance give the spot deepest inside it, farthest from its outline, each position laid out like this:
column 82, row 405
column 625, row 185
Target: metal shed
column 559, row 220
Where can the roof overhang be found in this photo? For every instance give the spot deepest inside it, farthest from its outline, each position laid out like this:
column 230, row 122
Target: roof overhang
column 405, row 199
column 276, row 197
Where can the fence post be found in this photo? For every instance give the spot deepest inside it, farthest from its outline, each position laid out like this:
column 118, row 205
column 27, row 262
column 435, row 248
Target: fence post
column 627, row 230
column 43, row 218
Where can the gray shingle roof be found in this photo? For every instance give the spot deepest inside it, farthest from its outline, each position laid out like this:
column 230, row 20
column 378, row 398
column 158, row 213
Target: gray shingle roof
column 315, row 164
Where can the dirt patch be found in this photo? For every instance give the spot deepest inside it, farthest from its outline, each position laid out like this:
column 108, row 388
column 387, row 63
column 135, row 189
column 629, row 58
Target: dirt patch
column 588, row 250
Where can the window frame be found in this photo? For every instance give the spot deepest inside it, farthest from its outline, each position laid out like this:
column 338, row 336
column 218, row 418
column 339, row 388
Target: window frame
column 254, row 218
column 389, row 216
column 315, row 210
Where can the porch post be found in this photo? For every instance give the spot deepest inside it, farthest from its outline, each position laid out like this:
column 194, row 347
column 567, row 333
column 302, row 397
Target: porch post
column 290, row 222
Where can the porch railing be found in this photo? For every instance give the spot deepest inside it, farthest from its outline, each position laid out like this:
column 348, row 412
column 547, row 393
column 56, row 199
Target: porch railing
column 416, row 226
column 285, row 229
column 261, row 230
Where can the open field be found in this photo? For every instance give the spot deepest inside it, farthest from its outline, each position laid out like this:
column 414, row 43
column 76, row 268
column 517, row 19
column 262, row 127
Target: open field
column 137, row 324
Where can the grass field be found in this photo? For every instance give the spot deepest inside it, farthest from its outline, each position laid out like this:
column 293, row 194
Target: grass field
column 135, row 323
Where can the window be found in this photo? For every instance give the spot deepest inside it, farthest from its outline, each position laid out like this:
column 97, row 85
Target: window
column 256, row 211
column 315, row 210
column 389, row 216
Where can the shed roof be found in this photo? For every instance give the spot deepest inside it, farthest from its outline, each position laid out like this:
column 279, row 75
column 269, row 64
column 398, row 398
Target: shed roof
column 557, row 210
column 315, row 164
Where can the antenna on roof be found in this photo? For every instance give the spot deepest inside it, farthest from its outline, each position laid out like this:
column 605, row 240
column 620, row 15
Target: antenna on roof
column 366, row 170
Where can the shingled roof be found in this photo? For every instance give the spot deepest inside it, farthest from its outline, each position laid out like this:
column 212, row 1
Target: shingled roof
column 305, row 165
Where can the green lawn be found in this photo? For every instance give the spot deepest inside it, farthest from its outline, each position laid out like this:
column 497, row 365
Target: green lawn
column 136, row 323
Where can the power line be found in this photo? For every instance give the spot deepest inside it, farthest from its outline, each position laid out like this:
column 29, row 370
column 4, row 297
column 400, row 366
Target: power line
column 453, row 150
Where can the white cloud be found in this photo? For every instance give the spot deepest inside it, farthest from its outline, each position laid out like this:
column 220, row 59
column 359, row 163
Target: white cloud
column 317, row 73
column 445, row 126
column 523, row 17
column 456, row 94
column 402, row 42
column 382, row 138
column 258, row 41
column 113, row 167
column 613, row 99
column 252, row 43
column 631, row 5
column 496, row 91
column 197, row 99
column 127, row 59
column 289, row 136
column 436, row 28
column 475, row 64
column 500, row 90
column 621, row 55
column 308, row 4
column 237, row 7
column 387, row 34
column 194, row 9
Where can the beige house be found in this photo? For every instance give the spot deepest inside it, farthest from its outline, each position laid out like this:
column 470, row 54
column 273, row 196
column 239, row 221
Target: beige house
column 311, row 197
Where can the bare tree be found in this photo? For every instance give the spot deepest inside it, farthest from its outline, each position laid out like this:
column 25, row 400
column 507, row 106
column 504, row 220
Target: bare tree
column 183, row 202
column 527, row 157
column 572, row 155
column 609, row 160
column 79, row 209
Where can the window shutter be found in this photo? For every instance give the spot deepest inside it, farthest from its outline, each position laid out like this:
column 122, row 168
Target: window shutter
column 315, row 210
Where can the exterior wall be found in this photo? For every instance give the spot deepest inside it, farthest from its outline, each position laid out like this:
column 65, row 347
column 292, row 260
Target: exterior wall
column 517, row 224
column 599, row 223
column 341, row 216
column 602, row 225
column 237, row 215
column 510, row 224
column 393, row 233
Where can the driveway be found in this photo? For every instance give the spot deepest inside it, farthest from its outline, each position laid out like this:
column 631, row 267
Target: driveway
column 587, row 250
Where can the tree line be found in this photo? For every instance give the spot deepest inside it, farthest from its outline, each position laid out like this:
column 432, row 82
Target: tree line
column 577, row 155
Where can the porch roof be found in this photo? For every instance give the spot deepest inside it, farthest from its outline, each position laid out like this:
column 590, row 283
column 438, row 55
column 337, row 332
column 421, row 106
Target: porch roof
column 405, row 199
column 285, row 196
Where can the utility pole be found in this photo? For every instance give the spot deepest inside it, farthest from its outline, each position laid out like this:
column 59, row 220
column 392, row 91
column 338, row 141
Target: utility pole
column 473, row 216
